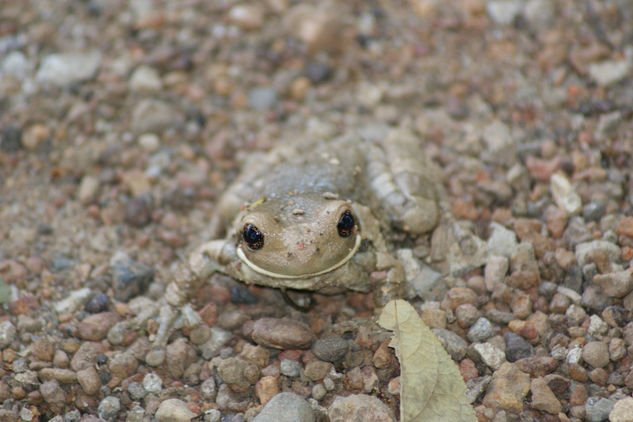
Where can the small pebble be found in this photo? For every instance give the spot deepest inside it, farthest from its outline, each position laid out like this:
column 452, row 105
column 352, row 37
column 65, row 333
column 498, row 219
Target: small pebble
column 598, row 408
column 290, row 368
column 286, row 407
column 109, row 408
column 330, row 349
column 480, row 331
column 622, row 410
column 543, row 398
column 357, row 407
column 596, row 354
column 173, row 410
column 517, row 347
column 282, row 333
column 152, row 383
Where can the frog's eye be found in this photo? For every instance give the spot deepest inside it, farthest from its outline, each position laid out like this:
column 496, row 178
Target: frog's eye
column 253, row 237
column 345, row 224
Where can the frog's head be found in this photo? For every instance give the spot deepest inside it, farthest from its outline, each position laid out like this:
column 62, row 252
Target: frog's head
column 297, row 236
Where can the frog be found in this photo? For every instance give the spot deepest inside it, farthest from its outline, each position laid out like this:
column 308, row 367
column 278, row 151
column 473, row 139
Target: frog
column 316, row 216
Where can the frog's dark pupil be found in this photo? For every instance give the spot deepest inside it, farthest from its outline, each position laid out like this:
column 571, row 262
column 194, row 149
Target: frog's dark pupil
column 345, row 224
column 253, row 237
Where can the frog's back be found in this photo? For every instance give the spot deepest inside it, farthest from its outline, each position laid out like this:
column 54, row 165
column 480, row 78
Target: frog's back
column 334, row 167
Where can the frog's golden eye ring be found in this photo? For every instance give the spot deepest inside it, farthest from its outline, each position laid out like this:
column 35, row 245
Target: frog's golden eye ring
column 253, row 237
column 346, row 224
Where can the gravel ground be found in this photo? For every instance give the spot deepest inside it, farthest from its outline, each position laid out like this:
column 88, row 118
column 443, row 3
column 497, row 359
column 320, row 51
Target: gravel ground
column 122, row 122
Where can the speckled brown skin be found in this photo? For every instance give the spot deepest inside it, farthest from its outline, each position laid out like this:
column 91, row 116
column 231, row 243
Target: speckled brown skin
column 295, row 196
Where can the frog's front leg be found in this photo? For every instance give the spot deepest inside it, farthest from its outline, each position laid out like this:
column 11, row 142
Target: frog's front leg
column 206, row 259
column 391, row 285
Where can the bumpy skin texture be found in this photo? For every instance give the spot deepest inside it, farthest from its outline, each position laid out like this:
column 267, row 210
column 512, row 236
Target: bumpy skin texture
column 295, row 196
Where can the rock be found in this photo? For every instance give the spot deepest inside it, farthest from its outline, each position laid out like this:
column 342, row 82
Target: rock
column 317, row 72
column 617, row 349
column 428, row 284
column 238, row 374
column 501, row 148
column 8, row 334
column 564, row 194
column 178, row 356
column 266, row 388
column 539, row 13
column 596, row 354
column 452, row 343
column 109, row 408
column 492, row 356
column 466, row 314
column 123, row 365
column 615, row 284
column 320, row 26
column 282, row 333
column 173, row 410
column 316, row 369
column 89, row 380
column 43, row 349
column 131, row 278
column 16, row 64
column 502, row 241
column 586, row 250
column 52, row 393
column 598, row 408
column 208, row 389
column 517, row 347
column 286, row 407
column 597, row 326
column 503, row 12
column 537, row 366
column 622, row 411
column 609, row 72
column 607, row 125
column 97, row 303
column 145, row 79
column 458, row 296
column 495, row 271
column 152, row 383
column 86, row 355
column 66, row 69
column 358, row 407
column 247, row 16
column 330, row 349
column 480, row 331
column 65, row 376
column 10, row 138
column 95, row 327
column 543, row 398
column 154, row 116
column 290, row 368
column 262, row 98
column 507, row 389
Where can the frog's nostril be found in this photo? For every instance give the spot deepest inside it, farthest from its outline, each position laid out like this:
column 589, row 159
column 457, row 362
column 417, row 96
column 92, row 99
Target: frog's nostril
column 253, row 237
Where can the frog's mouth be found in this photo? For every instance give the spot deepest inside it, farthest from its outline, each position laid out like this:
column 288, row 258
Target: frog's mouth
column 260, row 270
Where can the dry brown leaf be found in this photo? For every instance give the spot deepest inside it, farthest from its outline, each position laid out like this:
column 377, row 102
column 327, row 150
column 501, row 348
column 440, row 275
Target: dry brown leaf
column 432, row 389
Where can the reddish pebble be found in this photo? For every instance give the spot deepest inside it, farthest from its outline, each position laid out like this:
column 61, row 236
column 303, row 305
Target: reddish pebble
column 23, row 305
column 625, row 227
column 209, row 313
column 468, row 369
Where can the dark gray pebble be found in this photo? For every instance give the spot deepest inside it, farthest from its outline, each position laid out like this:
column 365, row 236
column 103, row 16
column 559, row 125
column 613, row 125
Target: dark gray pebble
column 517, row 347
column 330, row 349
column 131, row 278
